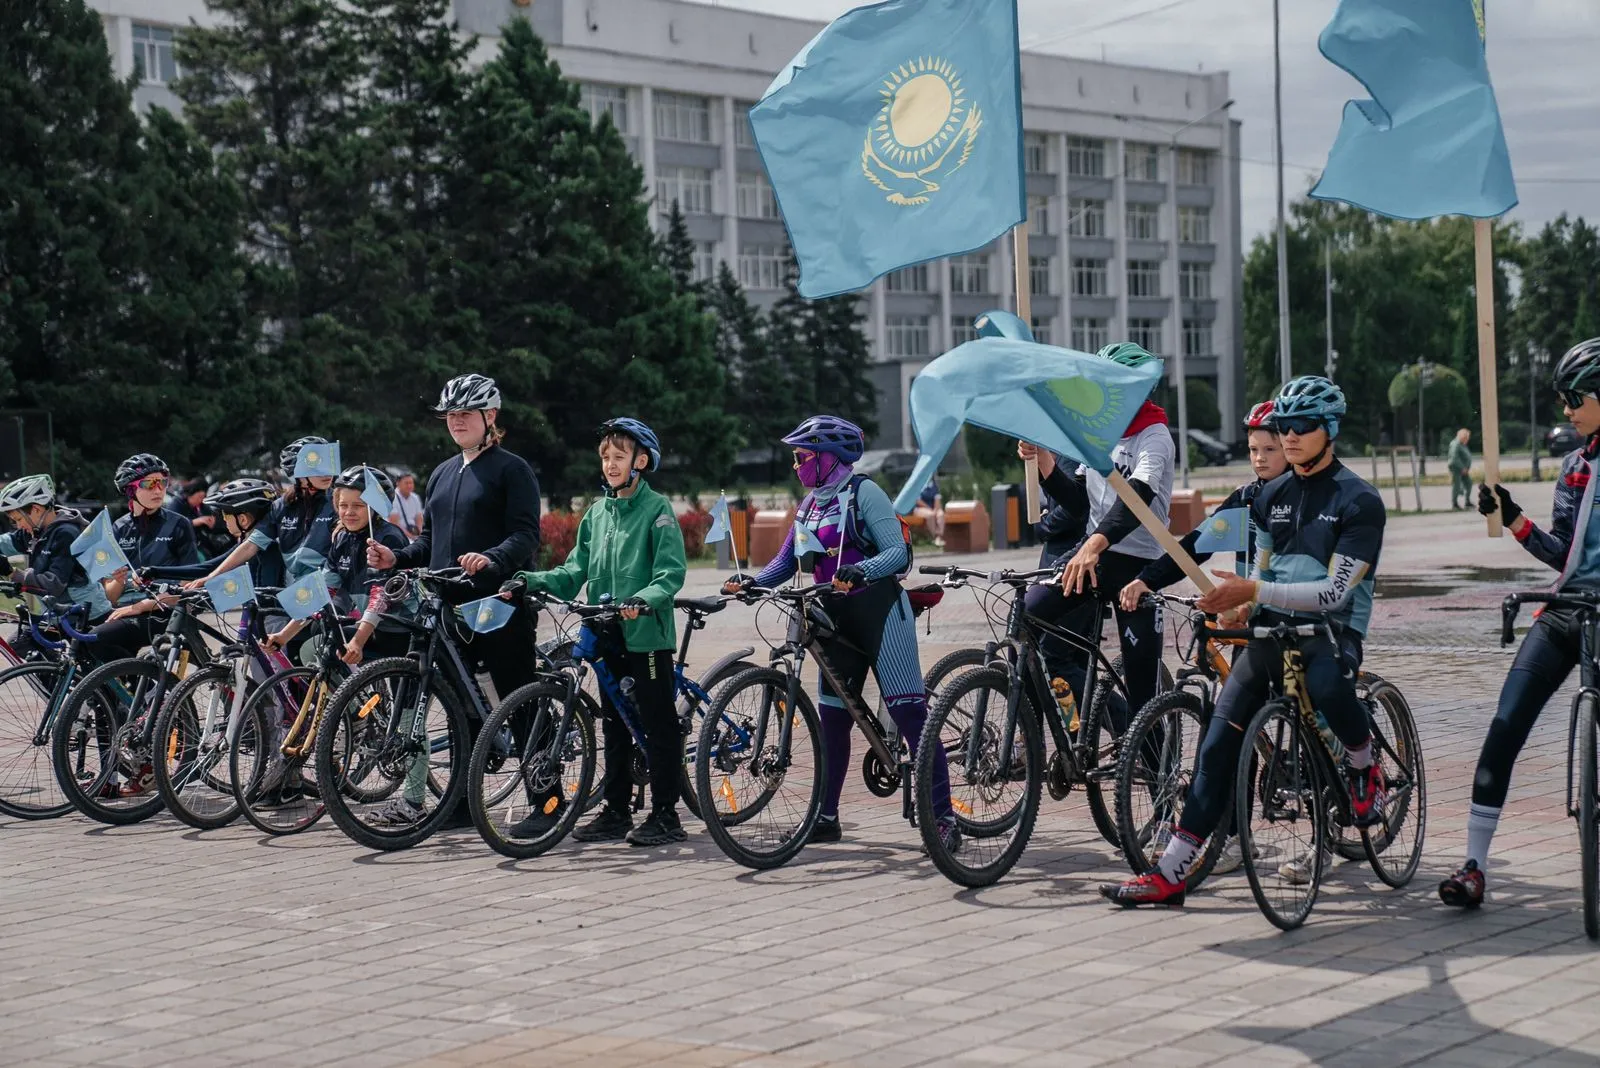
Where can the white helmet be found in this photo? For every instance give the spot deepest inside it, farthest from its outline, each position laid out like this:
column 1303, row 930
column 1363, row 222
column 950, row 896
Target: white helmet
column 27, row 491
column 468, row 393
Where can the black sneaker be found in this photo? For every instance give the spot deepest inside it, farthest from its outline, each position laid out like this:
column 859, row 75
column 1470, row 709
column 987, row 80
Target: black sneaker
column 609, row 826
column 949, row 835
column 537, row 824
column 826, row 830
column 659, row 828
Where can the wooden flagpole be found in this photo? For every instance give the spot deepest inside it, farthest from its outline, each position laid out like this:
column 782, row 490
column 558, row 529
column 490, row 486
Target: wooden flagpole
column 1488, row 388
column 1019, row 246
column 1168, row 540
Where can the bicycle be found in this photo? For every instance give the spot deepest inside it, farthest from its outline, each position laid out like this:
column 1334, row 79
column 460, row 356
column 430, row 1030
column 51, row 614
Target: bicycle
column 997, row 770
column 1583, row 734
column 1285, row 781
column 560, row 716
column 32, row 695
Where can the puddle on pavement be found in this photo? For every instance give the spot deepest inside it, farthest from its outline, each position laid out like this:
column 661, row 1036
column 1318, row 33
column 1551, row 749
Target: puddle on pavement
column 1454, row 577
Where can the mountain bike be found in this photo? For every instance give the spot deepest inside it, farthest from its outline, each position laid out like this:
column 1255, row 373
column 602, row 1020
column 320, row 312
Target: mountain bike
column 32, row 696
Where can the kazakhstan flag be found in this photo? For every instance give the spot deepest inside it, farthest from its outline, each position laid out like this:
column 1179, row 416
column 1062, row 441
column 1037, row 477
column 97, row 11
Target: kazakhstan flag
column 895, row 137
column 1227, row 531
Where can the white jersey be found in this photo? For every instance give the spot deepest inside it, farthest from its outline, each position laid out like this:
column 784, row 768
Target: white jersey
column 1147, row 457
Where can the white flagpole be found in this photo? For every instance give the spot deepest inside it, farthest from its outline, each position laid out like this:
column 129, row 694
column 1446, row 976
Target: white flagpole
column 1030, row 468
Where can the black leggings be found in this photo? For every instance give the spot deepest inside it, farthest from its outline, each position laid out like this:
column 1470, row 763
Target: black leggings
column 654, row 695
column 1546, row 658
column 1331, row 680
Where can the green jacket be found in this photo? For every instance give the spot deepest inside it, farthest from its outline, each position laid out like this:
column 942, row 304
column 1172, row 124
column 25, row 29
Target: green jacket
column 627, row 547
column 1460, row 457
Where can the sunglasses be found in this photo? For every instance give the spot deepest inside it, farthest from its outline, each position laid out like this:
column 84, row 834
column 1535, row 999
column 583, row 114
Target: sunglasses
column 1297, row 424
column 802, row 455
column 1573, row 398
column 154, row 482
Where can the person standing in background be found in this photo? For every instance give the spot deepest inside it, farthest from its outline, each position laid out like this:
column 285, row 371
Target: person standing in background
column 1459, row 461
column 408, row 510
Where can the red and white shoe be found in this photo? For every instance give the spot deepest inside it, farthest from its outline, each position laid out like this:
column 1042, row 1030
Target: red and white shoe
column 1151, row 888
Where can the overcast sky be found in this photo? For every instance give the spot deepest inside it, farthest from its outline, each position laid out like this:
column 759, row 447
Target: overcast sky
column 1542, row 56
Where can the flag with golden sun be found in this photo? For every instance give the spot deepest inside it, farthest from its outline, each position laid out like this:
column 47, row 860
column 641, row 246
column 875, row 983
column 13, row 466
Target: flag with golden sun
column 895, row 137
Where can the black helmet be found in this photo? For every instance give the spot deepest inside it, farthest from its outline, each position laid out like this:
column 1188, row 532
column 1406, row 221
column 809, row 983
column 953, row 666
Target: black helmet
column 355, row 478
column 243, row 496
column 291, row 451
column 1579, row 370
column 137, row 467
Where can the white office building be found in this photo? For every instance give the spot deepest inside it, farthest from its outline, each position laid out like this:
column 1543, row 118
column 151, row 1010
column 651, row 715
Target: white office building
column 1132, row 174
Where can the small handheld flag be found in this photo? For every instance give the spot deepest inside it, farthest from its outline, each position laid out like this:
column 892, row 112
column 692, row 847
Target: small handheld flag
column 231, row 589
column 806, row 541
column 318, row 461
column 305, row 598
column 1227, row 531
column 491, row 613
column 720, row 527
column 99, row 529
column 375, row 499
column 103, row 559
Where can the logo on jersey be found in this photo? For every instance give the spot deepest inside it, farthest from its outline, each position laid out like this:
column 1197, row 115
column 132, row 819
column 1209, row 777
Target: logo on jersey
column 1282, row 512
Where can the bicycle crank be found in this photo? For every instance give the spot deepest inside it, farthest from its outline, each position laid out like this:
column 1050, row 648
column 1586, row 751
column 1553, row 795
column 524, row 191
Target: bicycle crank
column 882, row 781
column 1058, row 776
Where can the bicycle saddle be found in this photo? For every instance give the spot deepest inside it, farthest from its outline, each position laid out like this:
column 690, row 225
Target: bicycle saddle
column 705, row 605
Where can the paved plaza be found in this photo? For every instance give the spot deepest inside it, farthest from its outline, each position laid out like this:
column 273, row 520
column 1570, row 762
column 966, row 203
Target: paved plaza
column 156, row 944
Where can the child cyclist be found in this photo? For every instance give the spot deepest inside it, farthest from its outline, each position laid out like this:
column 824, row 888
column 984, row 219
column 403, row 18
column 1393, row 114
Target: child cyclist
column 45, row 533
column 865, row 552
column 629, row 546
column 150, row 535
column 1552, row 646
column 298, row 530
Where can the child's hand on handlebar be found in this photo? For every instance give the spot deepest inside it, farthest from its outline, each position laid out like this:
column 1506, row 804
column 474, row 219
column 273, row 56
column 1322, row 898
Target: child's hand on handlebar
column 1128, row 599
column 633, row 608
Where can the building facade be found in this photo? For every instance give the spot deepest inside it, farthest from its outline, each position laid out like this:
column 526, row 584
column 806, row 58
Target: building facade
column 1132, row 176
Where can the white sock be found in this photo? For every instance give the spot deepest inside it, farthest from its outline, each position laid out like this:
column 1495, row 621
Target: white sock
column 1481, row 823
column 1179, row 856
column 1360, row 759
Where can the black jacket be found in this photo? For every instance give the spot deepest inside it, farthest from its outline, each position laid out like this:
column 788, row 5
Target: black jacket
column 350, row 577
column 490, row 506
column 161, row 539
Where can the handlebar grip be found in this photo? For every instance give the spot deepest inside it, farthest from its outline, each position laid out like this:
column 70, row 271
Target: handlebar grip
column 72, row 632
column 930, row 569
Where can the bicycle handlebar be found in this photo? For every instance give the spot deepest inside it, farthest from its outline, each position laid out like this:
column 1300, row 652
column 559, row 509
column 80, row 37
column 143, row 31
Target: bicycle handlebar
column 1279, row 631
column 588, row 611
column 1583, row 600
column 72, row 632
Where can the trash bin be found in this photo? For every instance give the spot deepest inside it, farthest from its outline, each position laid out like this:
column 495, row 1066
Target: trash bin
column 767, row 532
column 966, row 527
column 1187, row 510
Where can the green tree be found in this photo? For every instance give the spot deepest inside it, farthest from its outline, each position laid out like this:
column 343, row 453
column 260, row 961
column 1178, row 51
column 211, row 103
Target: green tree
column 1447, row 404
column 826, row 354
column 758, row 385
column 677, row 253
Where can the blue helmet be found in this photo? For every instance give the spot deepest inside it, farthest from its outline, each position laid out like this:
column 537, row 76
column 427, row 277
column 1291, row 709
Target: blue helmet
column 642, row 435
column 829, row 434
column 1311, row 396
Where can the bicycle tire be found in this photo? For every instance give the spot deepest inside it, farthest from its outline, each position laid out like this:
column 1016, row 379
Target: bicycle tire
column 547, row 698
column 1135, row 771
column 1288, row 781
column 33, row 792
column 181, row 760
column 256, row 740
column 115, row 724
column 686, row 787
column 1588, row 828
column 723, row 755
column 377, row 681
column 973, row 870
column 948, row 667
column 1108, row 758
column 1406, row 796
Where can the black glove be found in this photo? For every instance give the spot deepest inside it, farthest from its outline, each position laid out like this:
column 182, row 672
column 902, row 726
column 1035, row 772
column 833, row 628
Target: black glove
column 744, row 582
column 516, row 587
column 639, row 603
column 1487, row 505
column 850, row 575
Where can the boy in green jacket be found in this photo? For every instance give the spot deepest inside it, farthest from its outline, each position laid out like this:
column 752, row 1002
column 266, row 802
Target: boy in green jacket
column 629, row 545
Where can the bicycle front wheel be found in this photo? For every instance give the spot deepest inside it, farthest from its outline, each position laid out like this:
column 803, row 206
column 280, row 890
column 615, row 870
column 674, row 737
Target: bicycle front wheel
column 758, row 769
column 1281, row 815
column 276, row 791
column 1588, row 829
column 1160, row 752
column 693, row 719
column 191, row 749
column 547, row 773
column 1394, row 847
column 101, row 742
column 28, row 786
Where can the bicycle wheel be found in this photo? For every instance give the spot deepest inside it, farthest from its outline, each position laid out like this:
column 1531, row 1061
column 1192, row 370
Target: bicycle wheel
column 550, row 771
column 99, row 744
column 1103, row 739
column 276, row 792
column 692, row 719
column 1394, row 847
column 391, row 755
column 1280, row 813
column 759, row 798
column 28, row 786
column 995, row 798
column 947, row 667
column 1160, row 752
column 1588, row 812
column 191, row 749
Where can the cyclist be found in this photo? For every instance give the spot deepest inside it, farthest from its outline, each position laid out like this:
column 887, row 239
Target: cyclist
column 630, row 547
column 482, row 513
column 150, row 535
column 298, row 531
column 44, row 533
column 1115, row 551
column 864, row 550
column 1552, row 647
column 1320, row 532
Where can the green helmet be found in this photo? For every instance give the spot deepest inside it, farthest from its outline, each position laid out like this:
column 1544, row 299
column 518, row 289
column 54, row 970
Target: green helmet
column 1127, row 354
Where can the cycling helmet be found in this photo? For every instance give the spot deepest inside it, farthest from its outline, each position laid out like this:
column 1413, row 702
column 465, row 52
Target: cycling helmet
column 1579, row 370
column 355, row 478
column 291, row 451
column 642, row 435
column 23, row 493
column 243, row 496
column 137, row 467
column 829, row 434
column 1314, row 396
column 1127, row 354
column 468, row 393
column 1260, row 417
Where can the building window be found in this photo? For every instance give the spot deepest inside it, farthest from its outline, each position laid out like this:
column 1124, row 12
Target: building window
column 1087, row 218
column 1086, row 157
column 1089, row 278
column 906, row 335
column 762, row 266
column 1194, row 225
column 755, row 199
column 1194, row 281
column 1144, row 278
column 1143, row 222
column 1090, row 335
column 705, row 261
column 1194, row 167
column 962, row 330
column 600, row 100
column 907, row 280
column 1041, row 331
column 689, row 186
column 743, row 135
column 683, row 118
column 970, row 273
column 1197, row 337
column 1141, row 162
column 1039, row 275
column 152, row 54
column 1036, row 153
column 1039, row 216
column 1145, row 333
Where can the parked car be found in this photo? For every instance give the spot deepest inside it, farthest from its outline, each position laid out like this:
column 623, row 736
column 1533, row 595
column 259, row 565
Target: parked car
column 1562, row 439
column 1213, row 451
column 893, row 464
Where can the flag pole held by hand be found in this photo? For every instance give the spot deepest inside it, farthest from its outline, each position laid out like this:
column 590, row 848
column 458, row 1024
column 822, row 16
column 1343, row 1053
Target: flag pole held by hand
column 1488, row 391
column 1159, row 531
column 1030, row 468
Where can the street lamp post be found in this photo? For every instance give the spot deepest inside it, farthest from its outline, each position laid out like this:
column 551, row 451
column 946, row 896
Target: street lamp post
column 1284, row 365
column 1424, row 376
column 1536, row 361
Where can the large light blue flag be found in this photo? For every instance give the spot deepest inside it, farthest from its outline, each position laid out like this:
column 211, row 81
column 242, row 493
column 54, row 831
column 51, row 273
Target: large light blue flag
column 1002, row 324
column 491, row 613
column 305, row 598
column 895, row 137
column 319, row 459
column 1430, row 141
column 231, row 589
column 1074, row 404
column 98, row 530
column 1227, row 531
column 720, row 527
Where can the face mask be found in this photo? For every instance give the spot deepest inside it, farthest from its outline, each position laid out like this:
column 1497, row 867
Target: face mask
column 810, row 471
